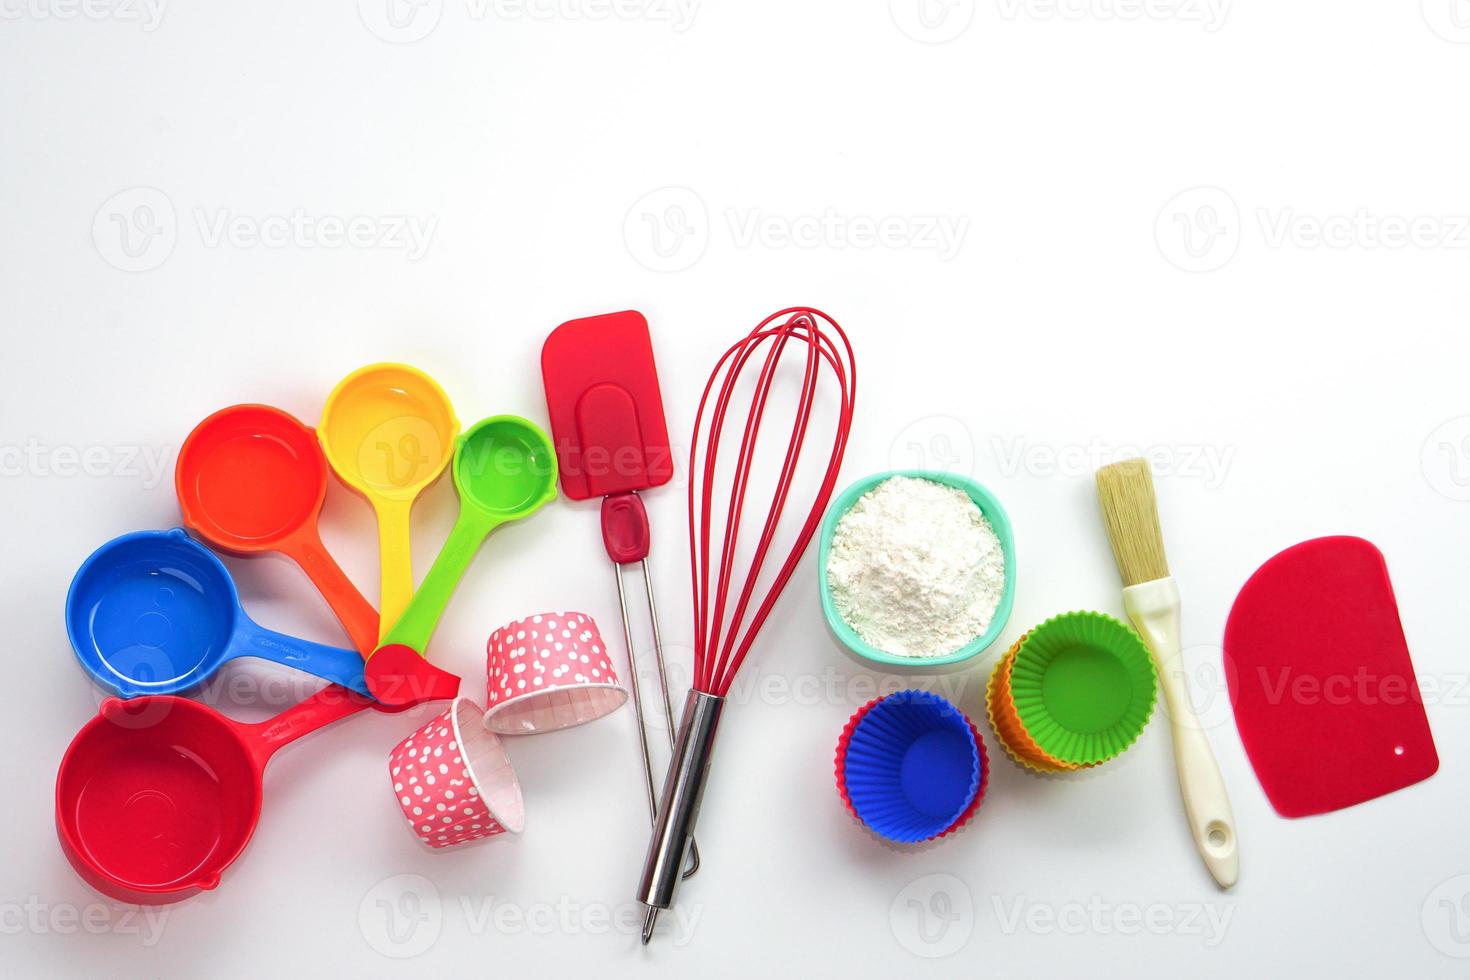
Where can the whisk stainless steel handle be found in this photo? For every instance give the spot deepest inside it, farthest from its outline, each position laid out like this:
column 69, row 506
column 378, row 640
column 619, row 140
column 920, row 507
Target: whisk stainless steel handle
column 678, row 809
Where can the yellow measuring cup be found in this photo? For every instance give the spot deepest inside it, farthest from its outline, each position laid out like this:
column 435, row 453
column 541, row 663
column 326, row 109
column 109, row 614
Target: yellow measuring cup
column 388, row 431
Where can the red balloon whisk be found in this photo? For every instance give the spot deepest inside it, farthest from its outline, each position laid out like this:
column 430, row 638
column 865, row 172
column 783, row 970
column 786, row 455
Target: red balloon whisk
column 730, row 609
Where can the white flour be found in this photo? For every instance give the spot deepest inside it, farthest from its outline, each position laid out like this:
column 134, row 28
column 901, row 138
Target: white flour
column 915, row 568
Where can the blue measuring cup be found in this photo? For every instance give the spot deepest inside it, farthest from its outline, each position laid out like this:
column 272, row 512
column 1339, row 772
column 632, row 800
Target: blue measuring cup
column 155, row 612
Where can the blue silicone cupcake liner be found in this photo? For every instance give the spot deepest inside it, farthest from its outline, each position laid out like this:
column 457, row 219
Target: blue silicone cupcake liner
column 912, row 767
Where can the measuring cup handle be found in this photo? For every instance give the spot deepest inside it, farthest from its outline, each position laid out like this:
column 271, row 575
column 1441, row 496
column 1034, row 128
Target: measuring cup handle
column 417, row 624
column 357, row 615
column 331, row 703
column 395, row 558
column 338, row 665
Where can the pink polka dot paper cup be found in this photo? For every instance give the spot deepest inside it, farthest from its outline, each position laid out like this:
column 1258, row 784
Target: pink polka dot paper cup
column 549, row 672
column 454, row 782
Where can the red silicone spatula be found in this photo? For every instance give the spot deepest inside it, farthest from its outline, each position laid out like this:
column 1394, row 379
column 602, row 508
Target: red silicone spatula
column 1324, row 691
column 607, row 421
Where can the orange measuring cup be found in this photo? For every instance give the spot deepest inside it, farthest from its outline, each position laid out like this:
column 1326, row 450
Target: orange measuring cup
column 252, row 479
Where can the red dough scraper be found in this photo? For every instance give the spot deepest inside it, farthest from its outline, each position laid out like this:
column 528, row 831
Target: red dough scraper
column 1324, row 691
column 607, row 420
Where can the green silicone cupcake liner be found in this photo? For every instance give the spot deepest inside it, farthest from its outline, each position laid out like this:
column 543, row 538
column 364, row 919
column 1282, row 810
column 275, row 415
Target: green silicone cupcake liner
column 1084, row 687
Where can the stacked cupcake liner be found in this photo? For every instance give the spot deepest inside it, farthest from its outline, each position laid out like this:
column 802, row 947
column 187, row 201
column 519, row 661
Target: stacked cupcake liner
column 1073, row 693
column 1001, row 710
column 874, row 778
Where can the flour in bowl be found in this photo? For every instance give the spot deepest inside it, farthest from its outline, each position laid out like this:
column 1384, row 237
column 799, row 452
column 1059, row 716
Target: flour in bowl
column 915, row 568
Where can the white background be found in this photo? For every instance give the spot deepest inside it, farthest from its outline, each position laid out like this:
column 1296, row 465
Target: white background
column 1135, row 192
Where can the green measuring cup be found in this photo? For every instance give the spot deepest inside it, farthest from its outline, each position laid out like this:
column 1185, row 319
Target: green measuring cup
column 504, row 470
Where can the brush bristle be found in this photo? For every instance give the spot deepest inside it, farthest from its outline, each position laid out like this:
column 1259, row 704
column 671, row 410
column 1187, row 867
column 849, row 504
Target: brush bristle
column 1126, row 490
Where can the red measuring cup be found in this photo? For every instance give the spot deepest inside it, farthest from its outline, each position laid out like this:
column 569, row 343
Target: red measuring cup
column 252, row 479
column 157, row 796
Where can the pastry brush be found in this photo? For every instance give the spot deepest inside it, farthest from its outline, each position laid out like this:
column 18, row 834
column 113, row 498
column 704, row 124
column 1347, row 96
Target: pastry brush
column 1151, row 598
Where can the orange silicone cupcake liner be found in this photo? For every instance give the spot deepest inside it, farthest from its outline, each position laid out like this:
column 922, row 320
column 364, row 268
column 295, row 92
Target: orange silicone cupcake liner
column 1001, row 709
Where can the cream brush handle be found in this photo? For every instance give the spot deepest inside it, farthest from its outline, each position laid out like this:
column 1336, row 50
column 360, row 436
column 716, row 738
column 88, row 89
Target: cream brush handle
column 1154, row 609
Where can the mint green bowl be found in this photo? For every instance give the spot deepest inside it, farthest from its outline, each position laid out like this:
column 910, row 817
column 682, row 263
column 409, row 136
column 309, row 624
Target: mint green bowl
column 994, row 513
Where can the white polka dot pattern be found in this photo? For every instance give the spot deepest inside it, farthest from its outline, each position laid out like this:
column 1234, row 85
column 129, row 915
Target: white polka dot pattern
column 548, row 672
column 454, row 789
